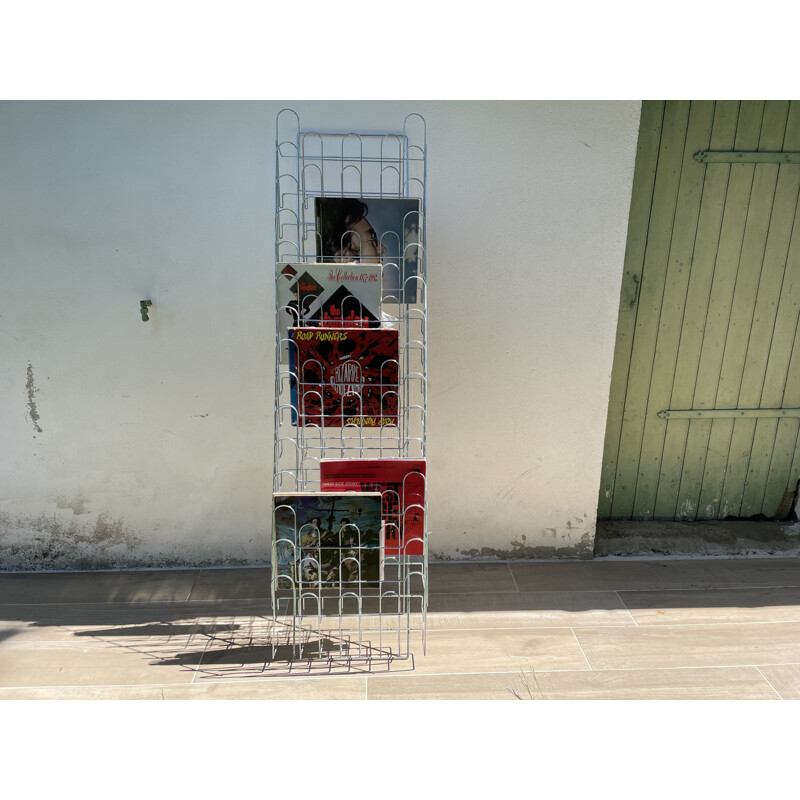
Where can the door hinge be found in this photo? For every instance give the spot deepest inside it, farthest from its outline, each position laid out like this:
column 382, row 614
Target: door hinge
column 727, row 413
column 745, row 157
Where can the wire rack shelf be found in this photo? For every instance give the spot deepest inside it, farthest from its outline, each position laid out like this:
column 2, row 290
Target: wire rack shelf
column 343, row 593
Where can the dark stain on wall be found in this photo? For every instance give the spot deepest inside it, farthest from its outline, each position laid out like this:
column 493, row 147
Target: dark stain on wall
column 47, row 541
column 33, row 412
column 77, row 504
column 60, row 541
column 519, row 550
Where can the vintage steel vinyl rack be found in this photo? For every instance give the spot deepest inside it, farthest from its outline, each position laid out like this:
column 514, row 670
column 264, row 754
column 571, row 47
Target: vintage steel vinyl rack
column 355, row 626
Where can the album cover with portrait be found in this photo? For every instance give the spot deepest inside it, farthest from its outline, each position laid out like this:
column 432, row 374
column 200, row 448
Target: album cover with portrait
column 401, row 482
column 344, row 376
column 386, row 231
column 327, row 538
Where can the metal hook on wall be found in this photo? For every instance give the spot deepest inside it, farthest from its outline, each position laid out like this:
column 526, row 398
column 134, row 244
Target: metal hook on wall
column 144, row 305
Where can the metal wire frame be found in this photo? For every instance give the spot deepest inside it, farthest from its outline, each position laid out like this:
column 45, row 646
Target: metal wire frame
column 310, row 164
column 352, row 608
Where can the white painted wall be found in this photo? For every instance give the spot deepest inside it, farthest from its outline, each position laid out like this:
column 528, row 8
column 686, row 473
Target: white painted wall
column 125, row 443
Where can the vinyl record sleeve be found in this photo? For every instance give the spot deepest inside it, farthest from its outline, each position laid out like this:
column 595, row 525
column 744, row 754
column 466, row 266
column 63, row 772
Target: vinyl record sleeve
column 344, row 376
column 401, row 482
column 327, row 538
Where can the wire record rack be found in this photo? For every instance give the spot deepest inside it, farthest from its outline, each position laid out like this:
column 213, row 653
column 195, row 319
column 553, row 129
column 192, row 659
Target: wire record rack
column 349, row 588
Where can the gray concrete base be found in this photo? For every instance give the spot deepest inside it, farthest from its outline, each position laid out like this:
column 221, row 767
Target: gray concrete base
column 681, row 539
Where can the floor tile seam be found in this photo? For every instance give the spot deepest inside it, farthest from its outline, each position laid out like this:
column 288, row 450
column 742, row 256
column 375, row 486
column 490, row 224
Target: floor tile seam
column 580, row 671
column 610, row 590
column 769, row 683
column 168, row 602
column 154, row 570
column 511, row 573
column 474, row 593
column 556, row 627
column 194, row 583
column 456, row 629
column 58, row 686
column 733, row 587
column 724, row 624
column 670, row 667
column 244, row 681
column 580, row 646
column 667, row 668
column 444, row 563
column 560, row 627
column 645, row 624
column 406, row 674
column 206, row 647
column 385, row 676
column 648, row 589
column 450, row 674
column 128, row 631
column 201, row 620
column 527, row 591
column 62, row 604
column 430, row 630
column 212, row 681
column 196, row 672
column 630, row 614
column 443, row 615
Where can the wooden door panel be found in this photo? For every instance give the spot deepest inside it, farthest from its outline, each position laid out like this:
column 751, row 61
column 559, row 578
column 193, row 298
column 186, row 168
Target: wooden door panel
column 657, row 488
column 721, row 310
column 734, row 382
column 665, row 195
column 650, row 126
column 695, row 319
column 708, row 318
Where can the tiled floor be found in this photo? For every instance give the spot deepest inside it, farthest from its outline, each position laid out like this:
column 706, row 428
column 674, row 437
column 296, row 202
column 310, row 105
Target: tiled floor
column 604, row 629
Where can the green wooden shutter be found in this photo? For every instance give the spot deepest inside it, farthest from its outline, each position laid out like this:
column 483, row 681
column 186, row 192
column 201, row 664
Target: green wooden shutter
column 708, row 320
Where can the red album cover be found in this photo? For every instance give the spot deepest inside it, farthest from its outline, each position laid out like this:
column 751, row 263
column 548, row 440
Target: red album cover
column 344, row 376
column 401, row 482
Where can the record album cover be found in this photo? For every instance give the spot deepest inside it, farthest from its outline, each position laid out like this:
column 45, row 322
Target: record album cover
column 344, row 376
column 327, row 538
column 385, row 231
column 401, row 482
column 332, row 295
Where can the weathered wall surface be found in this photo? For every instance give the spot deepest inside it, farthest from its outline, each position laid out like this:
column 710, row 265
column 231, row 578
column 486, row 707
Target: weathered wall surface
column 127, row 443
